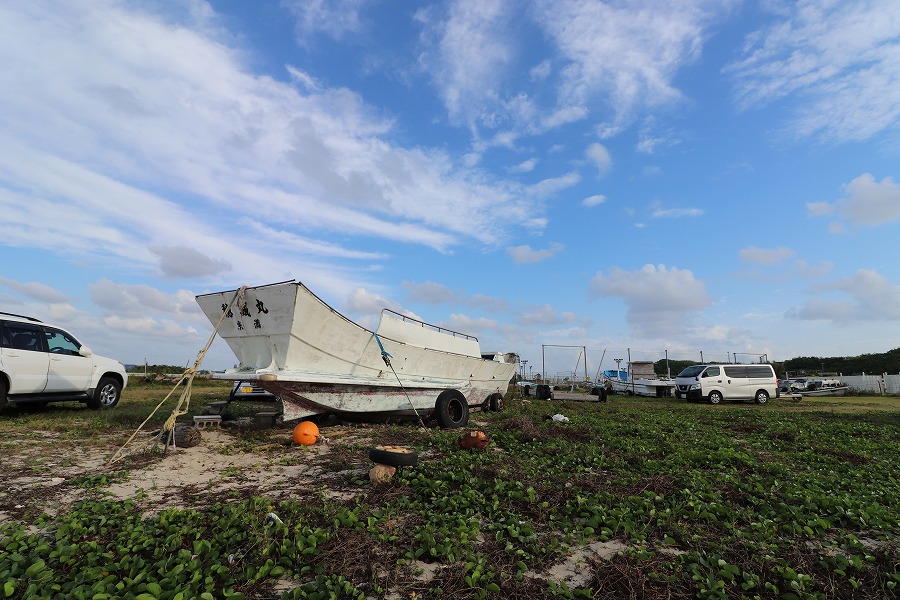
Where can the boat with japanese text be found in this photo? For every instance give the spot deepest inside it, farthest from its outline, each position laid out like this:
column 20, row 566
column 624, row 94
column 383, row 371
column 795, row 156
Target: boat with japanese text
column 317, row 361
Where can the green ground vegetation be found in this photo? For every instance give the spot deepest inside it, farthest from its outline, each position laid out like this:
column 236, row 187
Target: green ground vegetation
column 788, row 500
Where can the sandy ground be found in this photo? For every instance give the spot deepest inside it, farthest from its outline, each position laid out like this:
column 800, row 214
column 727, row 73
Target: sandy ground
column 38, row 475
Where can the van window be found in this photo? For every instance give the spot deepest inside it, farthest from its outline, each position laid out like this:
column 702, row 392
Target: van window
column 712, row 372
column 760, row 372
column 736, row 372
column 692, row 371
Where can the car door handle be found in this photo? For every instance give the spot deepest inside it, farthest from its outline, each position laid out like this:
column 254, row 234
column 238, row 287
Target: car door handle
column 56, row 358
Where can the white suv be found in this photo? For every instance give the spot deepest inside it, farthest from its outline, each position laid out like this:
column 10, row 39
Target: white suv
column 40, row 363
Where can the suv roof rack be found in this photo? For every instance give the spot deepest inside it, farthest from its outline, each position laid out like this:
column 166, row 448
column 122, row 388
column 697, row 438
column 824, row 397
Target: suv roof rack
column 21, row 317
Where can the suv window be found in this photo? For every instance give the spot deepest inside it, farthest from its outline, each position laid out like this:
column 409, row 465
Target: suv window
column 21, row 336
column 60, row 342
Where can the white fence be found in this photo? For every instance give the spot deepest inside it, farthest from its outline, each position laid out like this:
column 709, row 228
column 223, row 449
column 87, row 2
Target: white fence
column 879, row 384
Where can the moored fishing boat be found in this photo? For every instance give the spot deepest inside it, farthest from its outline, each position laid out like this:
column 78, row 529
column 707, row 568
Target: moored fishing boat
column 318, row 361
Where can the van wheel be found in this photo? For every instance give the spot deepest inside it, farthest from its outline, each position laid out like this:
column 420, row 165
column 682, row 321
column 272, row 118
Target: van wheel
column 762, row 396
column 715, row 397
column 2, row 393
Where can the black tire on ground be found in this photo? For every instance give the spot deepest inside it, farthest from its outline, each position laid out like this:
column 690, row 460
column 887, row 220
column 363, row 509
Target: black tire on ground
column 762, row 396
column 495, row 402
column 187, row 436
column 715, row 397
column 543, row 392
column 106, row 395
column 3, row 391
column 451, row 410
column 393, row 456
column 602, row 395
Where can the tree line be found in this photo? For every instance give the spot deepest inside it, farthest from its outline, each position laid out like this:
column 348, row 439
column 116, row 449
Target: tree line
column 872, row 364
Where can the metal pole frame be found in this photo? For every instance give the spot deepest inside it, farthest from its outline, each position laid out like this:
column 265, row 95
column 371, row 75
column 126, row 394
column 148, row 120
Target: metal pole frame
column 544, row 367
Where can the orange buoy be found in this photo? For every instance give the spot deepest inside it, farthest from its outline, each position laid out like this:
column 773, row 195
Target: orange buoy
column 474, row 439
column 306, row 433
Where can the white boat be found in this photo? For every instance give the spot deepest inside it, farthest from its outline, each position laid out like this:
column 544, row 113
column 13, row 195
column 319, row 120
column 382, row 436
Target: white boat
column 638, row 380
column 824, row 387
column 318, row 361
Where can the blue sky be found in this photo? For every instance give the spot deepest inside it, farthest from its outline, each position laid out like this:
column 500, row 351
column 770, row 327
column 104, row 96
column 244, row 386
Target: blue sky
column 710, row 176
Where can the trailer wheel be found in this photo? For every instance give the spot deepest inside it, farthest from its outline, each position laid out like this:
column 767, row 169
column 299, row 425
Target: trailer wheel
column 495, row 402
column 451, row 410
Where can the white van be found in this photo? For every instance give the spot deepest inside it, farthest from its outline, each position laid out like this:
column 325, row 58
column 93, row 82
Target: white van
column 727, row 382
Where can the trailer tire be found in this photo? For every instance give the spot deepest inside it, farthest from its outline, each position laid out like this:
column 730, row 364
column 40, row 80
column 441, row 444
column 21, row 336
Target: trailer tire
column 451, row 410
column 495, row 402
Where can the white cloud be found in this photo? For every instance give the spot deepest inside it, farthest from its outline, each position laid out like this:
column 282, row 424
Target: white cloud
column 545, row 314
column 628, row 53
column 525, row 254
column 660, row 300
column 526, row 166
column 430, row 292
column 841, row 55
column 864, row 296
column 676, row 213
column 594, row 200
column 132, row 129
column 337, row 18
column 600, row 157
column 35, row 291
column 552, row 185
column 540, row 71
column 867, row 203
column 182, row 261
column 132, row 300
column 765, row 256
column 471, row 50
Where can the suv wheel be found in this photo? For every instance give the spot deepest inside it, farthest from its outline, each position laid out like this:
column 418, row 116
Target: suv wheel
column 106, row 395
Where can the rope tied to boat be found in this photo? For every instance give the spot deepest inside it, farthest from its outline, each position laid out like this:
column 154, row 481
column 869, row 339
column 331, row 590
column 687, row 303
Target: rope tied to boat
column 387, row 361
column 187, row 378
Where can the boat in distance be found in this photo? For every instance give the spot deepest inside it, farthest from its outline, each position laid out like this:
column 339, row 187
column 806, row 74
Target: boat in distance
column 318, row 361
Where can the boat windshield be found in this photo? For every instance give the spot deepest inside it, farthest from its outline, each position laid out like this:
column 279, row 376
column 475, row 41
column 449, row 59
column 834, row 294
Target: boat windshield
column 692, row 371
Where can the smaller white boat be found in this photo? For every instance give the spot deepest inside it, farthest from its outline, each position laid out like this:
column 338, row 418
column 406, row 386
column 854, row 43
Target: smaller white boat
column 639, row 380
column 824, row 387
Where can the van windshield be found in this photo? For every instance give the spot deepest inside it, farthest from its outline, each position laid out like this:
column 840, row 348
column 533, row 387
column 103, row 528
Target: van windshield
column 692, row 371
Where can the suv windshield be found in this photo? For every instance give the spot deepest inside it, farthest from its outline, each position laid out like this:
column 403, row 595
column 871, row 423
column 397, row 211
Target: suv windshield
column 692, row 371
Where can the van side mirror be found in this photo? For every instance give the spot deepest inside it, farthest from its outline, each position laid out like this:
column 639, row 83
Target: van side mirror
column 85, row 351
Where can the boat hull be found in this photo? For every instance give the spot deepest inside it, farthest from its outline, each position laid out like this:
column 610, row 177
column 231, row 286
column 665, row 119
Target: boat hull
column 834, row 391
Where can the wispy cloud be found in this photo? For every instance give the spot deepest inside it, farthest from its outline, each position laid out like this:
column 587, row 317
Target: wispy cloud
column 842, row 56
